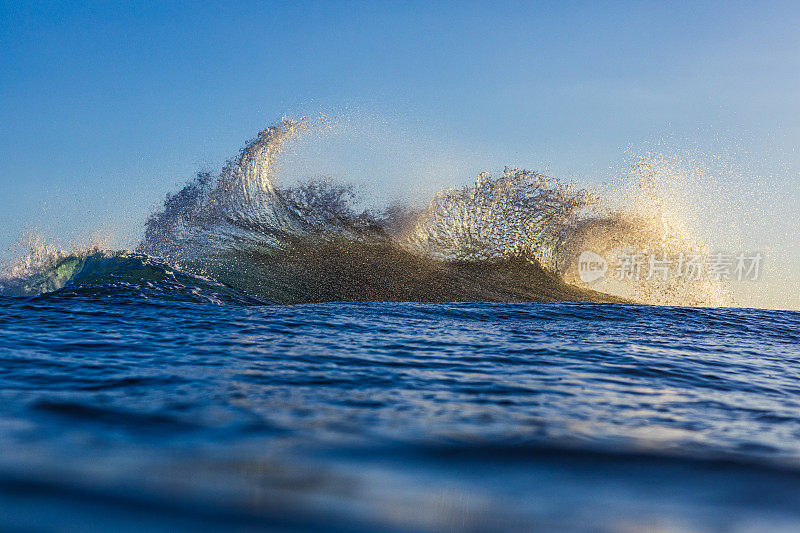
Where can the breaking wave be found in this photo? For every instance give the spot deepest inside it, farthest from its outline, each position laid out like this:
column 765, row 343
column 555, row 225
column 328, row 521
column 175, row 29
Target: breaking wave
column 512, row 237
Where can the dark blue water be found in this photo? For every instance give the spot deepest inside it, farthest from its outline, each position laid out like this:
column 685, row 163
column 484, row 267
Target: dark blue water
column 159, row 409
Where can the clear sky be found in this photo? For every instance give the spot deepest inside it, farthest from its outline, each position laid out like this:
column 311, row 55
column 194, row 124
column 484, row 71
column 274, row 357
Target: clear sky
column 105, row 107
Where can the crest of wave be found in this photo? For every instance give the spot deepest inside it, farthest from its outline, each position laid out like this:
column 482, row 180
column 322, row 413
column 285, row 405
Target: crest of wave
column 33, row 254
column 240, row 198
column 39, row 266
column 521, row 213
column 526, row 214
column 242, row 204
column 649, row 219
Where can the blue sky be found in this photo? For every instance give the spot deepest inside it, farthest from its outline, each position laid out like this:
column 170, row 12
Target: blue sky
column 108, row 106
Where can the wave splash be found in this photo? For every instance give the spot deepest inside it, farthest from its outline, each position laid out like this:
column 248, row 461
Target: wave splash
column 515, row 237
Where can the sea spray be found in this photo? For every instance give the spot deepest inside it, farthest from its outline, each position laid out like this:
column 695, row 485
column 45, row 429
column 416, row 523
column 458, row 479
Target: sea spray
column 239, row 228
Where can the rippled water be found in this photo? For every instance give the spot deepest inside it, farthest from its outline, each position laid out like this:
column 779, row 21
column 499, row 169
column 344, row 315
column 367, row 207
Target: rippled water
column 125, row 411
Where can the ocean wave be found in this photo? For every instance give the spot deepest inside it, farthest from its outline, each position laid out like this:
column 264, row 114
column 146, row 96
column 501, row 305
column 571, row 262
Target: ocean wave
column 101, row 273
column 514, row 237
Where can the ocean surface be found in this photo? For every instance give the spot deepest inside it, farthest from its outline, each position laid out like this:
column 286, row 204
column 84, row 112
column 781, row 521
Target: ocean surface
column 269, row 357
column 128, row 408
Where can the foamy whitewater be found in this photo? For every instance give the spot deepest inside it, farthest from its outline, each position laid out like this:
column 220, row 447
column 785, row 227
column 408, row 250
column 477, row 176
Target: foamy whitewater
column 273, row 357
